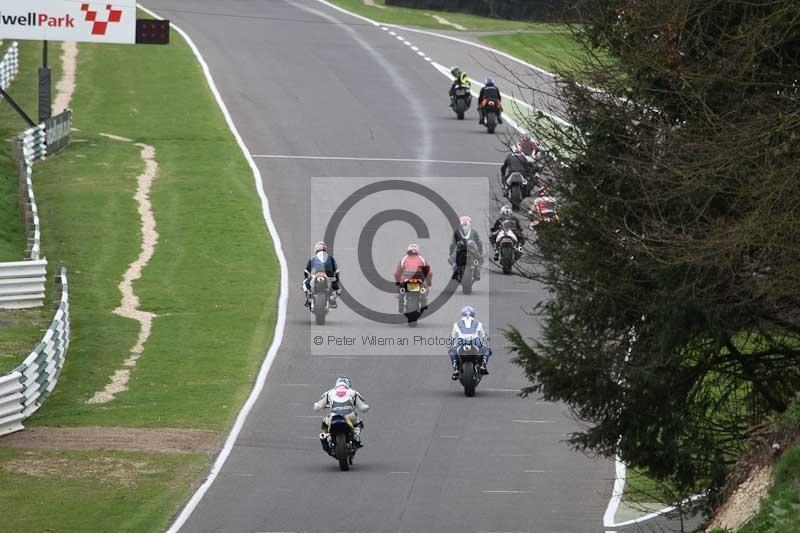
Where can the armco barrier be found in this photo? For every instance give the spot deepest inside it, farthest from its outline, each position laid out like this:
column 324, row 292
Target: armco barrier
column 22, row 284
column 25, row 389
column 9, row 66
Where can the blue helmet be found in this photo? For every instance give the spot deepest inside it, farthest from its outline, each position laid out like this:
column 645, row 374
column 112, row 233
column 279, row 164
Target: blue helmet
column 467, row 311
column 489, row 82
column 343, row 380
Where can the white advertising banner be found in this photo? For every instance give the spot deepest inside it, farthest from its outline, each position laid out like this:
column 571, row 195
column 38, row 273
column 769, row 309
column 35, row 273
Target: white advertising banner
column 69, row 20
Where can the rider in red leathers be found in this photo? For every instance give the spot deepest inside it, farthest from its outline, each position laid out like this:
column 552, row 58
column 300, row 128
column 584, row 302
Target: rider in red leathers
column 413, row 266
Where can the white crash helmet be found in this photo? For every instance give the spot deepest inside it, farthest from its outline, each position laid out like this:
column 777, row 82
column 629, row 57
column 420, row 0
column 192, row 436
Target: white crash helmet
column 413, row 249
column 343, row 380
column 505, row 211
column 320, row 246
column 468, row 311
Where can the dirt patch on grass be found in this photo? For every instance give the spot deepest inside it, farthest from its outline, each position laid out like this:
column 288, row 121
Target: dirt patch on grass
column 114, row 470
column 116, row 438
column 743, row 504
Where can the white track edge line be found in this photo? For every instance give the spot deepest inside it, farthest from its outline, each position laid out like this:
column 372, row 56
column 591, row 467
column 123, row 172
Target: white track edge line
column 442, row 36
column 280, row 324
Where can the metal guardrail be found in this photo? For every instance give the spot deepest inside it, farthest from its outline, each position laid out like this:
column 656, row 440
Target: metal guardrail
column 22, row 284
column 27, row 387
column 9, row 66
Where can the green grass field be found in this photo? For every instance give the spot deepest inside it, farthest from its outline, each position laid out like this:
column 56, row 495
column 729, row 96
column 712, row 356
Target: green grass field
column 551, row 51
column 213, row 283
column 94, row 491
column 424, row 17
column 212, row 327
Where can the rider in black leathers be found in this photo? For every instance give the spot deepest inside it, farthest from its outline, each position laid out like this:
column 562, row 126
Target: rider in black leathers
column 489, row 92
column 459, row 246
column 515, row 162
column 506, row 214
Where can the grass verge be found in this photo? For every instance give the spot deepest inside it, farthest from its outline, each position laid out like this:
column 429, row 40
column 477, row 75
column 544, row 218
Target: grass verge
column 111, row 491
column 555, row 51
column 212, row 328
column 425, row 17
column 212, row 282
column 641, row 489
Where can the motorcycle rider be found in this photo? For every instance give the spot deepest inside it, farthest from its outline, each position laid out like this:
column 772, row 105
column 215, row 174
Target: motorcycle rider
column 461, row 80
column 506, row 214
column 514, row 162
column 527, row 145
column 321, row 261
column 344, row 400
column 469, row 330
column 459, row 247
column 413, row 266
column 544, row 206
column 490, row 92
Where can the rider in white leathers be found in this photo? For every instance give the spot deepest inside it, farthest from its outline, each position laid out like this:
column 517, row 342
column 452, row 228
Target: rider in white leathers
column 469, row 330
column 346, row 401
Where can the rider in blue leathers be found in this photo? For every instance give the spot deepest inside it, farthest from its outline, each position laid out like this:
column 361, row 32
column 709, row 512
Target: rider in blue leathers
column 469, row 330
column 321, row 261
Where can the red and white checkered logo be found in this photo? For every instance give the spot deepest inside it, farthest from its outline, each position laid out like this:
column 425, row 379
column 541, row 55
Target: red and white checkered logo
column 99, row 26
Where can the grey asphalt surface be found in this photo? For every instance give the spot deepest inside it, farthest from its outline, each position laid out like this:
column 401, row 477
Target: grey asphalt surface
column 301, row 79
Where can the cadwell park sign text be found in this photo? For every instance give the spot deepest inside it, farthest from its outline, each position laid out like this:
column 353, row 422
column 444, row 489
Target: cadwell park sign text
column 66, row 20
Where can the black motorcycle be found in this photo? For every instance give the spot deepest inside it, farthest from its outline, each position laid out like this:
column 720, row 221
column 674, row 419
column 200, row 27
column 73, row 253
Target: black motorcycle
column 338, row 441
column 461, row 101
column 469, row 359
column 517, row 188
column 468, row 265
column 413, row 300
column 320, row 296
column 507, row 246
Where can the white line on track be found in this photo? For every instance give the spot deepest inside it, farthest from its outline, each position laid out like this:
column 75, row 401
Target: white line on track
column 536, row 471
column 501, row 390
column 534, row 421
column 371, row 159
column 399, row 472
column 448, row 436
column 283, row 299
column 515, row 455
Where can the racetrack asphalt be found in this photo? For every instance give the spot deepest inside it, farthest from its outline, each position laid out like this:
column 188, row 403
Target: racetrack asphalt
column 303, row 80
